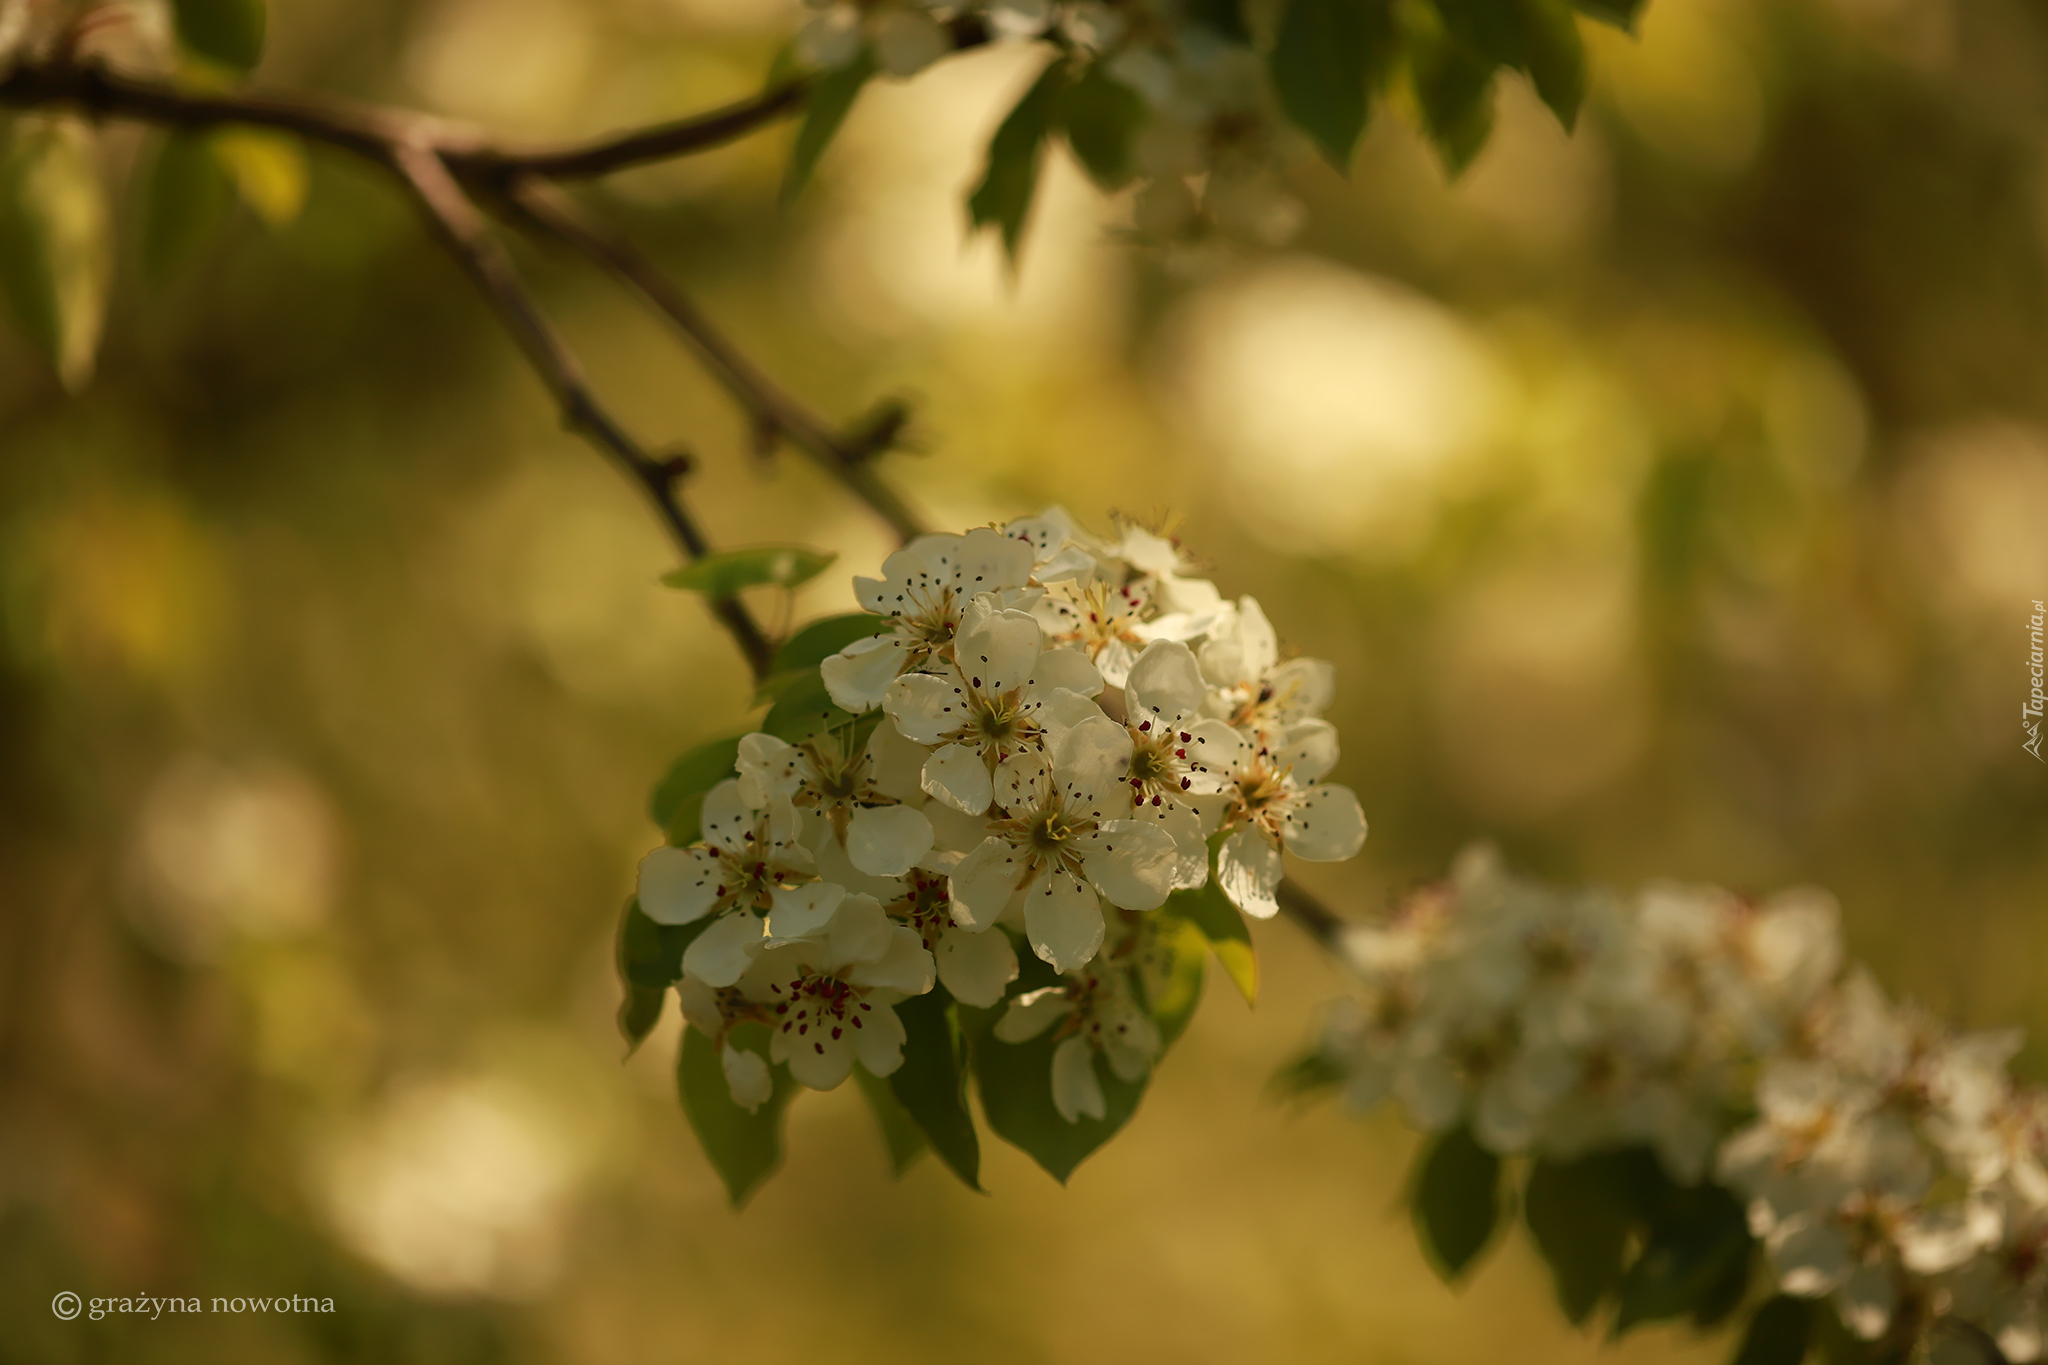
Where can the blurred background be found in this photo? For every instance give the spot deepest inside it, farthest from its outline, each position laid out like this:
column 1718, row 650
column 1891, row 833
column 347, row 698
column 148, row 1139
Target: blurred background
column 1672, row 497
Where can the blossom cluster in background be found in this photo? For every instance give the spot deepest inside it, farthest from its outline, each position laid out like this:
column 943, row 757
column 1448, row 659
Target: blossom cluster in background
column 1037, row 738
column 1884, row 1163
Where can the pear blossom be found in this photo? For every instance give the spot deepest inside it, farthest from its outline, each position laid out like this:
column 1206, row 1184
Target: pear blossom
column 831, row 997
column 906, row 35
column 1251, row 687
column 1171, row 744
column 974, row 965
column 1096, row 1014
column 1274, row 800
column 985, row 706
column 1063, row 848
column 850, row 798
column 924, row 588
column 715, row 1011
column 749, row 865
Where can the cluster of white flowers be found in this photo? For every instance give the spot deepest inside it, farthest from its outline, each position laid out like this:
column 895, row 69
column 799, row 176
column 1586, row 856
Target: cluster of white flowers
column 1212, row 136
column 1066, row 726
column 1884, row 1162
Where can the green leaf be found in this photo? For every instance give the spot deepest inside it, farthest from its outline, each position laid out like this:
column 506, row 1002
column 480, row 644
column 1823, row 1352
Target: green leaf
column 1003, row 197
column 805, row 709
column 1309, row 1074
column 722, row 575
column 820, row 640
column 56, row 242
column 1323, row 63
column 1619, row 14
column 1171, row 975
column 269, row 171
column 931, row 1085
column 678, row 796
column 1454, row 88
column 1539, row 37
column 186, row 195
column 900, row 1133
column 1016, row 1089
column 1210, row 911
column 1693, row 1238
column 1225, row 16
column 229, row 32
column 1456, row 1201
column 1726, row 1292
column 1778, row 1333
column 745, row 1148
column 649, row 957
column 1579, row 1217
column 830, row 100
column 1101, row 117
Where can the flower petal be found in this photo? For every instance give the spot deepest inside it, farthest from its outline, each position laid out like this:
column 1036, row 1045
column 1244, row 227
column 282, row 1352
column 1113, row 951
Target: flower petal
column 887, row 841
column 927, row 706
column 1165, row 683
column 1023, row 782
column 1248, row 871
column 815, row 1057
column 996, row 650
column 857, row 676
column 983, row 883
column 728, row 821
column 1302, row 688
column 1063, row 919
column 801, row 911
column 902, row 965
column 988, row 560
column 1092, row 761
column 958, row 776
column 1076, row 1090
column 1326, row 825
column 975, row 967
column 1307, row 748
column 897, row 764
column 1032, row 1013
column 1214, row 752
column 768, row 767
column 746, row 1076
column 679, row 885
column 879, row 1039
column 722, row 953
column 1132, row 862
column 1068, row 668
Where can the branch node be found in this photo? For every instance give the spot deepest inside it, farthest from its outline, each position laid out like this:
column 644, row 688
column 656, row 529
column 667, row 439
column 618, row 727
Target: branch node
column 877, row 433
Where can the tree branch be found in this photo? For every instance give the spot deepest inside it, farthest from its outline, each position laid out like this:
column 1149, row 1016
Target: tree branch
column 1317, row 920
column 847, row 458
column 463, row 231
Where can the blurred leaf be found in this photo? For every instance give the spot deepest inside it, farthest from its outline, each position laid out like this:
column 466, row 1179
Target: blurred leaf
column 1210, row 911
column 1016, row 1089
column 1539, row 37
column 804, row 709
column 830, row 100
column 690, row 776
column 900, row 1133
column 649, row 957
column 1778, row 1333
column 1309, row 1074
column 1172, row 979
column 820, row 640
column 56, row 242
column 722, row 575
column 1003, row 197
column 229, row 32
column 269, row 170
column 745, row 1148
column 186, row 195
column 931, row 1085
column 1225, row 16
column 1323, row 64
column 1456, row 1201
column 1454, row 89
column 1692, row 1240
column 1619, row 14
column 1579, row 1217
column 1727, row 1291
column 1101, row 117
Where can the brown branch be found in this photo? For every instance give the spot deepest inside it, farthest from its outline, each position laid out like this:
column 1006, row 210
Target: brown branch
column 549, row 212
column 463, row 231
column 94, row 89
column 1319, row 921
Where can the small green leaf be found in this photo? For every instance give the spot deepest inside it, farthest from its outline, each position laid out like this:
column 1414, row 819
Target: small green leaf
column 56, row 242
column 649, row 957
column 830, row 100
column 1015, row 1080
column 744, row 1147
column 931, row 1085
column 820, row 640
column 1456, row 1201
column 722, row 575
column 1454, row 87
column 639, row 1012
column 1539, row 37
column 229, row 32
column 1619, row 14
column 1101, row 117
column 269, row 171
column 1210, row 911
column 1224, row 16
column 186, row 196
column 805, row 709
column 1171, row 976
column 900, row 1133
column 1579, row 1217
column 1778, row 1333
column 692, row 775
column 1003, row 197
column 1309, row 1074
column 1693, row 1239
column 1323, row 64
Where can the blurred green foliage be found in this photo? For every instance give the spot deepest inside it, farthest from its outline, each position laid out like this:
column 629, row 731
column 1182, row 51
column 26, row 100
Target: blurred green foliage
column 332, row 676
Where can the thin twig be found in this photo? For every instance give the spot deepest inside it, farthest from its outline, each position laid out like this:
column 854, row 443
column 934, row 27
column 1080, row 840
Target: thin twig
column 1319, row 921
column 776, row 414
column 463, row 231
